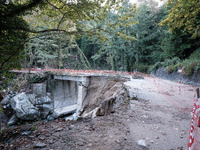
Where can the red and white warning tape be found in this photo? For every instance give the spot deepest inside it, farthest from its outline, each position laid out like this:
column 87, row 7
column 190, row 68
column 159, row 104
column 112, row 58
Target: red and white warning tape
column 194, row 125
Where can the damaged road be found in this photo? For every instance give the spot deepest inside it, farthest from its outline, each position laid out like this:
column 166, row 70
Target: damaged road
column 159, row 117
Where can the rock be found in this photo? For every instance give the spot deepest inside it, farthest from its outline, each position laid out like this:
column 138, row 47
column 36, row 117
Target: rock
column 80, row 143
column 50, row 141
column 137, row 77
column 11, row 92
column 23, row 107
column 43, row 100
column 32, row 98
column 50, row 118
column 179, row 148
column 39, row 145
column 59, row 129
column 39, row 89
column 131, row 94
column 12, row 120
column 42, row 137
column 142, row 143
column 92, row 113
column 26, row 133
column 5, row 101
column 45, row 110
column 152, row 141
column 106, row 107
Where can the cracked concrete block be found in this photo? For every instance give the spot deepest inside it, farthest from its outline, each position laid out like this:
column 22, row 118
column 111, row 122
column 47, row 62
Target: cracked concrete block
column 58, row 112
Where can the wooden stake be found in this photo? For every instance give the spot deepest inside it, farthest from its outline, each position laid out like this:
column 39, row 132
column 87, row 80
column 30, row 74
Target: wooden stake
column 197, row 96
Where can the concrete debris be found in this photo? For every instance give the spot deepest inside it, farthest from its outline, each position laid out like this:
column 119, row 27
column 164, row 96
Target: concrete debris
column 74, row 97
column 142, row 143
column 23, row 107
column 64, row 111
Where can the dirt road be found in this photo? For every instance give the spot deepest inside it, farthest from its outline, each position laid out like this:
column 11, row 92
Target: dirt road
column 163, row 113
column 160, row 116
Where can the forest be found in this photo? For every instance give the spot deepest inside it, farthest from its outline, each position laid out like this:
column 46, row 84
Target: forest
column 103, row 35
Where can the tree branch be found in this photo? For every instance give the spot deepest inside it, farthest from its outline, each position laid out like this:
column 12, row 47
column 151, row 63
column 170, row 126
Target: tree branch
column 23, row 8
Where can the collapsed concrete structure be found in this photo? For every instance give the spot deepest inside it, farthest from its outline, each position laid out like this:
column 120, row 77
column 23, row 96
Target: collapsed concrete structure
column 72, row 96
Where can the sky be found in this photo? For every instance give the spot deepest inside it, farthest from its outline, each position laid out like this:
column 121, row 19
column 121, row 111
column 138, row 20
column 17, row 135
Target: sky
column 159, row 1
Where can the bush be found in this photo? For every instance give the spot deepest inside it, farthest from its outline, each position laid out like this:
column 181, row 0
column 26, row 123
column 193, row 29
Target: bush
column 191, row 66
column 172, row 65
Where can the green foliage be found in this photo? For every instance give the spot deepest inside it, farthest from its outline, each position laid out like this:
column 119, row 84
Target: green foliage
column 172, row 68
column 1, row 109
column 54, row 51
column 190, row 66
column 113, row 49
column 141, row 67
column 184, row 15
column 172, row 65
column 11, row 44
column 195, row 54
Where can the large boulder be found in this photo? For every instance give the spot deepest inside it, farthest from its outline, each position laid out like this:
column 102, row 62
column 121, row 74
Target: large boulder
column 23, row 107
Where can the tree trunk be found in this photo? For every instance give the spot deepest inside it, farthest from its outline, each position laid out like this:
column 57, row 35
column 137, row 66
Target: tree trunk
column 59, row 55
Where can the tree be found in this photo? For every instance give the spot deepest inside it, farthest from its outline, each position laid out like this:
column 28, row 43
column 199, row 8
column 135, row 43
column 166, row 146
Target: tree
column 148, row 33
column 184, row 15
column 11, row 39
column 113, row 51
column 62, row 14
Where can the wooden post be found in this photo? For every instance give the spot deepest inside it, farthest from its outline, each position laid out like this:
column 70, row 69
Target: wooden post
column 197, row 92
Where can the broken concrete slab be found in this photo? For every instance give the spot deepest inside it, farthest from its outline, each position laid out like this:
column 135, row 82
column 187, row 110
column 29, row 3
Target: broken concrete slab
column 58, row 112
